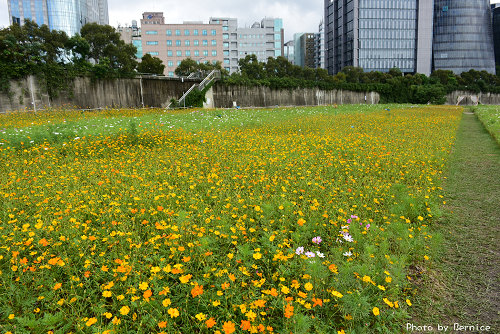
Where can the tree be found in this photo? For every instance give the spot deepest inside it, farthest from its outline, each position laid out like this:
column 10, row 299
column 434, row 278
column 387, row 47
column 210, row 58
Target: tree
column 251, row 67
column 186, row 67
column 105, row 42
column 150, row 64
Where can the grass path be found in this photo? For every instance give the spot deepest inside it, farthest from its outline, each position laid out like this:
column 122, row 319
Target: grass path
column 464, row 285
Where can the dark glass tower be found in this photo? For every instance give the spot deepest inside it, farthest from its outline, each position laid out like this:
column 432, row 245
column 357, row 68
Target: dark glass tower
column 378, row 35
column 463, row 37
column 65, row 15
column 496, row 32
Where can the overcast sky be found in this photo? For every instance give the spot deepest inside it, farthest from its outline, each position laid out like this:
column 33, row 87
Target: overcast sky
column 297, row 15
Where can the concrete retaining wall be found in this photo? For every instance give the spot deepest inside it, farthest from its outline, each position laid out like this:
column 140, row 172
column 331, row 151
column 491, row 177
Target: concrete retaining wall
column 227, row 96
column 464, row 98
column 86, row 93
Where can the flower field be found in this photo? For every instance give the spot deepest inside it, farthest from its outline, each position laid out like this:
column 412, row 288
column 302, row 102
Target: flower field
column 295, row 220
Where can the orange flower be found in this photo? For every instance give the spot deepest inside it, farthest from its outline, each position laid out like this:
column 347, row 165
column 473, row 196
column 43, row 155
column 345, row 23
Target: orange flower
column 57, row 286
column 260, row 302
column 245, row 325
column 288, row 310
column 210, row 323
column 90, row 322
column 317, row 301
column 228, row 327
column 197, row 290
column 301, row 221
column 162, row 324
column 148, row 293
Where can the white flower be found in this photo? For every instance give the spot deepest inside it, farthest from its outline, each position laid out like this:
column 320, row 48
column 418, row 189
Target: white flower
column 299, row 250
column 347, row 237
column 310, row 254
column 347, row 253
column 320, row 254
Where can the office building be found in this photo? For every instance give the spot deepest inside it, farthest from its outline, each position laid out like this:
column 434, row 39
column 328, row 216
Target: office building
column 463, row 36
column 63, row 15
column 289, row 53
column 495, row 13
column 305, row 44
column 173, row 43
column 378, row 35
column 132, row 35
column 264, row 40
column 319, row 47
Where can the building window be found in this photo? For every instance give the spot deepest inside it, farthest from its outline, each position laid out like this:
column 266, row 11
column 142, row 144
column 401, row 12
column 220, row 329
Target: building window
column 170, row 63
column 178, row 62
column 226, row 61
column 186, row 32
column 214, row 32
column 226, row 44
column 196, row 42
column 169, row 42
column 171, row 74
column 205, row 42
column 179, row 53
column 225, row 28
column 214, row 53
column 153, row 53
column 169, row 53
column 177, row 32
column 205, row 53
column 169, row 32
column 195, row 32
column 196, row 53
column 188, row 53
column 151, row 32
column 214, row 42
column 178, row 42
column 152, row 43
column 226, row 36
column 226, row 53
column 204, row 32
column 187, row 42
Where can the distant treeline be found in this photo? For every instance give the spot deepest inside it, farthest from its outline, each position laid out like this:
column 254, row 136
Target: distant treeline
column 99, row 52
column 393, row 86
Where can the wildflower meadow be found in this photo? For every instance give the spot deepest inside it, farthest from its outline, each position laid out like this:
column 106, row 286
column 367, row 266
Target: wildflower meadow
column 284, row 220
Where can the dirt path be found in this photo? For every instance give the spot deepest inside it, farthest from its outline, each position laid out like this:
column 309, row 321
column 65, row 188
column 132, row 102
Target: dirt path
column 464, row 285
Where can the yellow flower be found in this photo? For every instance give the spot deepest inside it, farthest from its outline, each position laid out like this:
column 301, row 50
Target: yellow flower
column 173, row 312
column 106, row 293
column 376, row 311
column 166, row 302
column 408, row 302
column 11, row 316
column 308, row 286
column 257, row 256
column 185, row 278
column 90, row 322
column 107, row 315
column 201, row 316
column 143, row 286
column 285, row 290
column 124, row 310
column 337, row 294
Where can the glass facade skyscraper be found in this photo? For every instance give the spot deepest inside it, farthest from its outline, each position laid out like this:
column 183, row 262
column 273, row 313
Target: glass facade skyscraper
column 463, row 37
column 64, row 15
column 378, row 35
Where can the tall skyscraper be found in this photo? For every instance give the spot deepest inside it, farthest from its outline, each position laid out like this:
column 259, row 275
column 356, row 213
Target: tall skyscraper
column 65, row 15
column 463, row 37
column 378, row 35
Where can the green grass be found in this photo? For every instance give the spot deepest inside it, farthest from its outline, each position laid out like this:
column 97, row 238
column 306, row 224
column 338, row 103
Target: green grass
column 490, row 117
column 462, row 285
